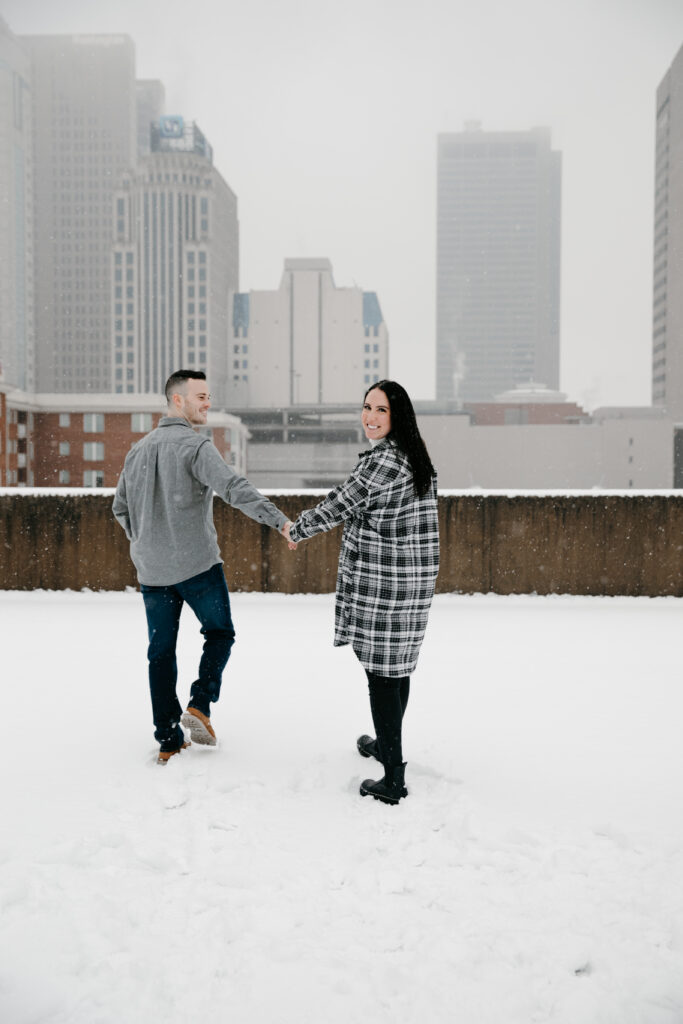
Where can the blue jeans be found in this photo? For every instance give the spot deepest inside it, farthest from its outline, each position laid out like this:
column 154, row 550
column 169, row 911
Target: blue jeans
column 207, row 596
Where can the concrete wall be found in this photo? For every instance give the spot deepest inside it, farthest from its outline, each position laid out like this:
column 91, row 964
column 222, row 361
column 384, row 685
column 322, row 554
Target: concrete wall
column 506, row 544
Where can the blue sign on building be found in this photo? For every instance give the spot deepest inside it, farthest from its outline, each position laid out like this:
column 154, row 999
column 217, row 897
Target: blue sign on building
column 171, row 127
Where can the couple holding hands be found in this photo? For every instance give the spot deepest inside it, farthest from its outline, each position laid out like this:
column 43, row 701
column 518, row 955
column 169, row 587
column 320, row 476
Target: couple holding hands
column 388, row 561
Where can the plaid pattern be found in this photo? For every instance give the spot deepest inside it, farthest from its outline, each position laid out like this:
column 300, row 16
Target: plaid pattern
column 388, row 562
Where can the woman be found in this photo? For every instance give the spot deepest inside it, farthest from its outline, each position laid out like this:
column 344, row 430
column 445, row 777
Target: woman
column 388, row 564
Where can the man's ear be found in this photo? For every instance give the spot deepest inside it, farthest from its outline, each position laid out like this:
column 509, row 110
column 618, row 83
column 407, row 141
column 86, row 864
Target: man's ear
column 176, row 401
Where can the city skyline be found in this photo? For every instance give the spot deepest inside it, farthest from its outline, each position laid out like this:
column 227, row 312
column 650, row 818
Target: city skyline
column 326, row 128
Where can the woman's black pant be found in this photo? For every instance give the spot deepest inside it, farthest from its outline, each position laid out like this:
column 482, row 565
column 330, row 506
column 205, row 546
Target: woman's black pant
column 388, row 702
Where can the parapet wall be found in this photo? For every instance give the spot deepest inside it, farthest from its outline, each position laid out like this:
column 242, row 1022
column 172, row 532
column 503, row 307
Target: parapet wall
column 506, row 544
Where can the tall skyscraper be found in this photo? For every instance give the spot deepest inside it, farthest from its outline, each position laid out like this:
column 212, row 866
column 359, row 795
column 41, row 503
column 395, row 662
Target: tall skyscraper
column 174, row 264
column 150, row 97
column 667, row 325
column 498, row 262
column 308, row 343
column 84, row 131
column 16, row 216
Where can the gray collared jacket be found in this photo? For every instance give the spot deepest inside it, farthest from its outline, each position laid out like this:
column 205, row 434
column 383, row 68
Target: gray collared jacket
column 164, row 502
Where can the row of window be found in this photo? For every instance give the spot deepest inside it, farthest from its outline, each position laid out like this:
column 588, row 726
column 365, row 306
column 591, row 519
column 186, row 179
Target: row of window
column 93, row 451
column 93, row 423
column 91, row 477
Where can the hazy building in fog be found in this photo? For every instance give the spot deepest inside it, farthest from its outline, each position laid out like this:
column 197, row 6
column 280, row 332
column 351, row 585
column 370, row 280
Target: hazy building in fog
column 84, row 134
column 16, row 215
column 150, row 97
column 173, row 264
column 667, row 326
column 498, row 262
column 308, row 343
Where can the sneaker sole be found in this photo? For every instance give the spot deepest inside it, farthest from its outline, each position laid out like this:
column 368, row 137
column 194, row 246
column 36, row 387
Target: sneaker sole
column 198, row 731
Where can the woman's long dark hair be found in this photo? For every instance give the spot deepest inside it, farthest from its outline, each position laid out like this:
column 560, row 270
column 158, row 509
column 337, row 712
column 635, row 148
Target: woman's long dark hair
column 406, row 434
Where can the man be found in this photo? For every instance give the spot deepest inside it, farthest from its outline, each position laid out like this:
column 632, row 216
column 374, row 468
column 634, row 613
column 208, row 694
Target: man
column 164, row 502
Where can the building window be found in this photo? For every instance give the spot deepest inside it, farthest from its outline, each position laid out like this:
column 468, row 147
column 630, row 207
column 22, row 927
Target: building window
column 93, row 423
column 93, row 478
column 64, row 476
column 64, row 419
column 64, row 448
column 93, row 451
column 140, row 422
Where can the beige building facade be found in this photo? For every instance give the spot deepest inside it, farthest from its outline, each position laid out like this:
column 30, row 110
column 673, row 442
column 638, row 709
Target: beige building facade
column 626, row 451
column 308, row 343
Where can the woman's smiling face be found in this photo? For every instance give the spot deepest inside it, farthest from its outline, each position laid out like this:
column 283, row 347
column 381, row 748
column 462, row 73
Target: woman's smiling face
column 376, row 415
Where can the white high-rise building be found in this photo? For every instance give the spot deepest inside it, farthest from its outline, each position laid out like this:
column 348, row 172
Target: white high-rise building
column 16, row 216
column 309, row 343
column 174, row 265
column 667, row 325
column 498, row 262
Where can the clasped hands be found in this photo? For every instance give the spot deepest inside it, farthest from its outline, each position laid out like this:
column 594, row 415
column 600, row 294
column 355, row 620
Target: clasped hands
column 285, row 533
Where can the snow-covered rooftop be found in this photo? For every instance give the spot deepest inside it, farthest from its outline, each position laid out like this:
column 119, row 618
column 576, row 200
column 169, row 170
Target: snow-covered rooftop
column 533, row 874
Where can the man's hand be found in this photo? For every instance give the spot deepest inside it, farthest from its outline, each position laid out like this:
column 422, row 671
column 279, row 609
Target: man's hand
column 285, row 533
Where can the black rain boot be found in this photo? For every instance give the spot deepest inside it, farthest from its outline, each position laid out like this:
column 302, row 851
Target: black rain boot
column 368, row 747
column 391, row 788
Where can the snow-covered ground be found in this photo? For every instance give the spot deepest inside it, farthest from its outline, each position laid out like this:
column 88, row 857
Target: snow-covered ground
column 534, row 874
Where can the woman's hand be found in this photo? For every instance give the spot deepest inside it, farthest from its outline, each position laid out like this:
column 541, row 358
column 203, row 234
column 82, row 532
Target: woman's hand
column 285, row 533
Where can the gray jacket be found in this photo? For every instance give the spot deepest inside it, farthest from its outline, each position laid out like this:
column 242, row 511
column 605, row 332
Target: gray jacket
column 164, row 502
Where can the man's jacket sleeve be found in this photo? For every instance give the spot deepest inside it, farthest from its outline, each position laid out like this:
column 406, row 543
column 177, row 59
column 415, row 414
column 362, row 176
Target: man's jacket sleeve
column 120, row 506
column 210, row 469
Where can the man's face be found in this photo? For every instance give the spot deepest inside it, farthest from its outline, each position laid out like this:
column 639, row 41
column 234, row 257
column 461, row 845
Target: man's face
column 193, row 404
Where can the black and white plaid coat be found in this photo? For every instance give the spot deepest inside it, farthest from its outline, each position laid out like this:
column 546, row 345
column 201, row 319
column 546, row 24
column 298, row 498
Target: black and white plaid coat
column 388, row 562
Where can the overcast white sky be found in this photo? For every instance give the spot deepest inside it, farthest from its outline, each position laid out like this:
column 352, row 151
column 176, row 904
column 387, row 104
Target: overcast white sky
column 324, row 115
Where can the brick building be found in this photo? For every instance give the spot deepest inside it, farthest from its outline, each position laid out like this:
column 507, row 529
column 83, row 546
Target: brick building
column 82, row 440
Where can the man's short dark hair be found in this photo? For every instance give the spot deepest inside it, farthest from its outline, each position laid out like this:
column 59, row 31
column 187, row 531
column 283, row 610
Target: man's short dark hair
column 179, row 377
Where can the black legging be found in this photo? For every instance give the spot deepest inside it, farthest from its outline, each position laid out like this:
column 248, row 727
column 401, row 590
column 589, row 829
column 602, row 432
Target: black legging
column 388, row 702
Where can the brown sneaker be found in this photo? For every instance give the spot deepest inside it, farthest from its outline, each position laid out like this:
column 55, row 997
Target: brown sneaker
column 199, row 725
column 164, row 755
